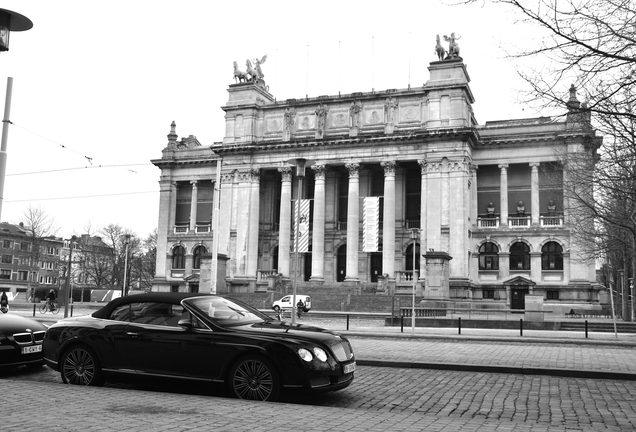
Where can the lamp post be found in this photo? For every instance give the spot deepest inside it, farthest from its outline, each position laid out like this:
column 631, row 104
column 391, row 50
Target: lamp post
column 68, row 297
column 300, row 164
column 415, row 232
column 9, row 21
column 126, row 240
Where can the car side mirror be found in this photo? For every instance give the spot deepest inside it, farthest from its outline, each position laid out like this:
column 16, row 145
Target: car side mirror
column 185, row 323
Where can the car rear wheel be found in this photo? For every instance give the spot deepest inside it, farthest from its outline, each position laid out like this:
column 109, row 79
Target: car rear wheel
column 276, row 308
column 80, row 366
column 254, row 378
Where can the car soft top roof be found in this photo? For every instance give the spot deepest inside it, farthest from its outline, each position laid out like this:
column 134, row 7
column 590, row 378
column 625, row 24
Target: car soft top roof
column 160, row 297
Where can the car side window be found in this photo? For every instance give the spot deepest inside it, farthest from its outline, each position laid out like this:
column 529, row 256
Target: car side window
column 154, row 313
column 121, row 313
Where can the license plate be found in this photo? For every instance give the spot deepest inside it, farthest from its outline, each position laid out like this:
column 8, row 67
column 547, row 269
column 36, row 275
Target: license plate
column 31, row 349
column 348, row 368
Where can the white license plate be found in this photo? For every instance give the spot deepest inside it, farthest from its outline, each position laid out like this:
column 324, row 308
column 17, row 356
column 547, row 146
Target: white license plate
column 348, row 368
column 31, row 349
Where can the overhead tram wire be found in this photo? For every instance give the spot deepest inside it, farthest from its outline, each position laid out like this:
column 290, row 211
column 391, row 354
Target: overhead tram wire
column 81, row 168
column 65, row 147
column 83, row 196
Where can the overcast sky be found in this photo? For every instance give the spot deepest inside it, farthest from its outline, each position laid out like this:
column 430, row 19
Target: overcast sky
column 96, row 84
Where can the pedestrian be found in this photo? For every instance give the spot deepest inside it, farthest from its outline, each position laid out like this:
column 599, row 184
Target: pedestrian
column 4, row 302
column 299, row 308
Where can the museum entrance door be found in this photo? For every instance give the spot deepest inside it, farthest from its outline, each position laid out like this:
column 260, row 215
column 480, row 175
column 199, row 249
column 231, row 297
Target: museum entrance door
column 518, row 297
column 376, row 266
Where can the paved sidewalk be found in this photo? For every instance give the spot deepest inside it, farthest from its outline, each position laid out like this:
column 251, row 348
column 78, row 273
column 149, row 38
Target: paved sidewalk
column 557, row 353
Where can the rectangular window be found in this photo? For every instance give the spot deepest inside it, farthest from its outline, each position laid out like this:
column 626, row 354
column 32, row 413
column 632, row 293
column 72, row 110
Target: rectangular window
column 552, row 295
column 5, row 274
column 7, row 244
column 23, row 275
column 489, row 294
column 24, row 246
column 7, row 259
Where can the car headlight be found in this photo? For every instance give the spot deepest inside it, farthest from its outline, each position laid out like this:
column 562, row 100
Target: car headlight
column 320, row 354
column 305, row 355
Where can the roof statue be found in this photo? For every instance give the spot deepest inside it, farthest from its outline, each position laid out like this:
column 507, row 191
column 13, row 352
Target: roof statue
column 453, row 48
column 253, row 73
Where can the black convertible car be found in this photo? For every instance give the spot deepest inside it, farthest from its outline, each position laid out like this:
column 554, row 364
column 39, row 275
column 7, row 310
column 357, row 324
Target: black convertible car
column 201, row 337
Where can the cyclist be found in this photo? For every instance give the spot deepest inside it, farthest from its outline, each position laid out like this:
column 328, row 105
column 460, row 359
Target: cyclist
column 50, row 299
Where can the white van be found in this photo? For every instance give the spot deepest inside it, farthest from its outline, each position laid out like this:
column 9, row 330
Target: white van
column 286, row 302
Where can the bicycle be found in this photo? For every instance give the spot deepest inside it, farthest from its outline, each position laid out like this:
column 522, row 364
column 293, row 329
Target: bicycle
column 46, row 307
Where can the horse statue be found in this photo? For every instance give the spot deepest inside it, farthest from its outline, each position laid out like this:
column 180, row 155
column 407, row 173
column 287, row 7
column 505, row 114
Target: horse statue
column 251, row 72
column 439, row 49
column 239, row 76
column 453, row 48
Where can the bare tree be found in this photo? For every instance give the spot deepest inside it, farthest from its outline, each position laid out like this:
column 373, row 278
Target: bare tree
column 38, row 225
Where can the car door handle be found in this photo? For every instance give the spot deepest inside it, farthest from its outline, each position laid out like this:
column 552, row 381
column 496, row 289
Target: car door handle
column 132, row 334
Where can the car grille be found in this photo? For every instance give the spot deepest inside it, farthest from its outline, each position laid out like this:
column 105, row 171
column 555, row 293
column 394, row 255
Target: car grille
column 323, row 381
column 29, row 338
column 342, row 350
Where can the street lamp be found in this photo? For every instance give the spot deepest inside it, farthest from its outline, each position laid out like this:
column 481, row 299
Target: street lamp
column 300, row 164
column 415, row 233
column 68, row 297
column 9, row 21
column 126, row 240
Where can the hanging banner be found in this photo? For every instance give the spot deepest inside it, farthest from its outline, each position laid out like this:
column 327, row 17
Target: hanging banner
column 370, row 224
column 303, row 227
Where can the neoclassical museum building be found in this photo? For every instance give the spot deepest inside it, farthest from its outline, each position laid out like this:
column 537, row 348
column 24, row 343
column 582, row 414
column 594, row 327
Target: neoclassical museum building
column 394, row 180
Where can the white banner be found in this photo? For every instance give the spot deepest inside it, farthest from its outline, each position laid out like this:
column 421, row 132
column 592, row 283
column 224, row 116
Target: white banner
column 370, row 224
column 303, row 227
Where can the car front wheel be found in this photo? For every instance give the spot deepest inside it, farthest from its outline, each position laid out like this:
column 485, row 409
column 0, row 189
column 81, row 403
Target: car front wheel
column 254, row 378
column 80, row 366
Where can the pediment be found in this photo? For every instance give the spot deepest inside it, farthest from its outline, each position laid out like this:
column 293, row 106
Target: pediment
column 192, row 278
column 519, row 280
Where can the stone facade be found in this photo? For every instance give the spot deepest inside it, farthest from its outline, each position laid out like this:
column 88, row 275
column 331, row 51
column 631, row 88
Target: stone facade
column 487, row 197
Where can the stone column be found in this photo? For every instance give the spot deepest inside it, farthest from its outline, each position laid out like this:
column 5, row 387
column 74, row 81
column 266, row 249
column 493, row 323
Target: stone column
column 318, row 242
column 534, row 190
column 353, row 221
column 254, row 213
column 503, row 194
column 284, row 230
column 388, row 225
column 423, row 218
column 193, row 205
column 164, row 228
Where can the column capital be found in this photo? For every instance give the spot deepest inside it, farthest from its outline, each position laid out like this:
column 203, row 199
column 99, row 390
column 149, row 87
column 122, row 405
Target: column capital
column 534, row 165
column 286, row 173
column 194, row 183
column 503, row 166
column 354, row 169
column 389, row 168
column 320, row 170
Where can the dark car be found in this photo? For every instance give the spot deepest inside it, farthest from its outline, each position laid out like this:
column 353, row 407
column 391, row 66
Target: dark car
column 20, row 341
column 202, row 337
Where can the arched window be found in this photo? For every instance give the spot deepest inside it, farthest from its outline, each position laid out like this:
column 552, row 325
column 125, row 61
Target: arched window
column 488, row 256
column 520, row 256
column 178, row 257
column 196, row 258
column 552, row 256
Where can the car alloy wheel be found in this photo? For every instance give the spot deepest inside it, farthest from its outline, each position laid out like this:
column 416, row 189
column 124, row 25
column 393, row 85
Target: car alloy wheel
column 254, row 378
column 80, row 367
column 276, row 308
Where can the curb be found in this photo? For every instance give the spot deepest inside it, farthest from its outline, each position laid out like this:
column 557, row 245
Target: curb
column 564, row 373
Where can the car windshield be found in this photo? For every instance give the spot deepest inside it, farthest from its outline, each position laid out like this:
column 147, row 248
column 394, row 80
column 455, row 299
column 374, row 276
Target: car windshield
column 225, row 311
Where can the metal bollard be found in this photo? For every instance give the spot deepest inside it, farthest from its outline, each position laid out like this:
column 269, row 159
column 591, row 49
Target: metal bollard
column 33, row 309
column 402, row 324
column 585, row 329
column 521, row 327
column 347, row 322
column 459, row 319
